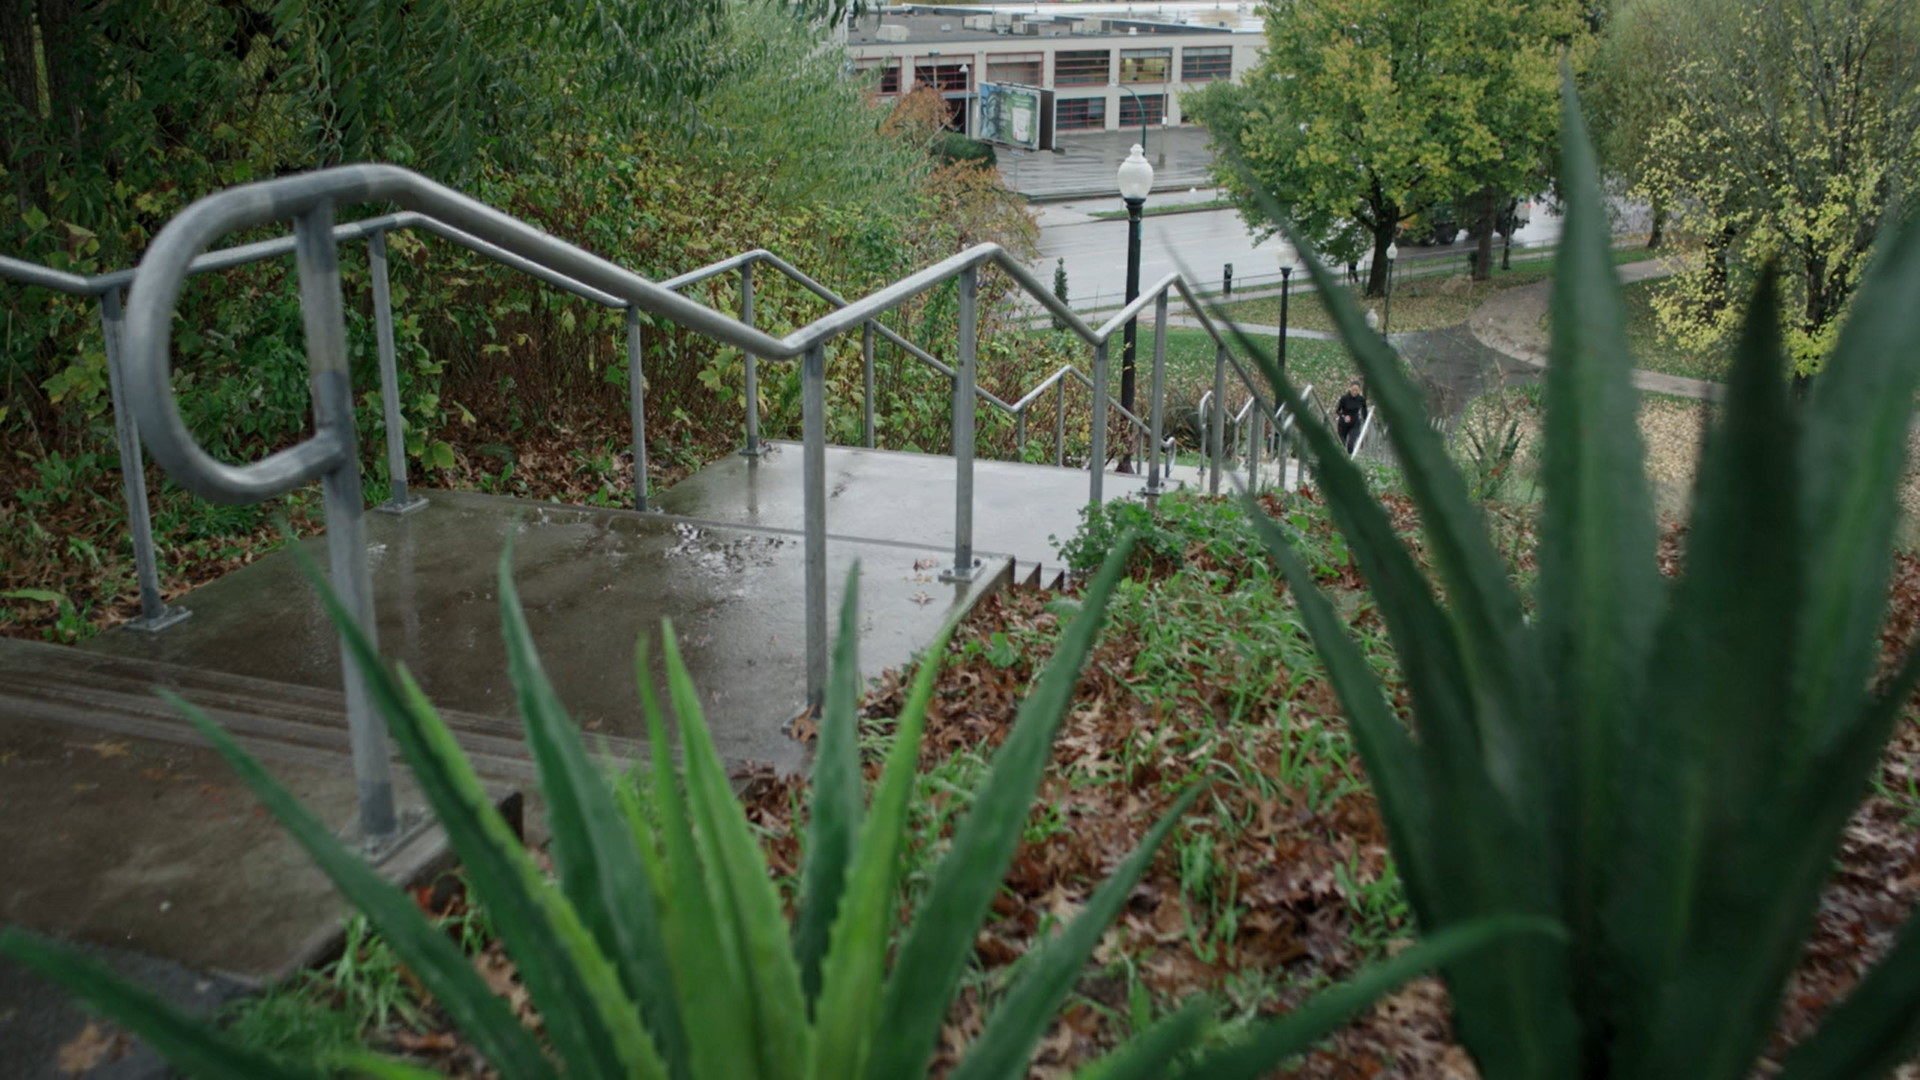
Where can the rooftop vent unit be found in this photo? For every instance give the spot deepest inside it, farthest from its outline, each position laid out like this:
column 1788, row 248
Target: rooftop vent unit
column 1090, row 26
column 976, row 22
column 891, row 32
column 946, row 28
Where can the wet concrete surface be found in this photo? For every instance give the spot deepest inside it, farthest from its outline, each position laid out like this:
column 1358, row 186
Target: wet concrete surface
column 896, row 497
column 592, row 582
column 1454, row 367
column 153, row 858
column 159, row 848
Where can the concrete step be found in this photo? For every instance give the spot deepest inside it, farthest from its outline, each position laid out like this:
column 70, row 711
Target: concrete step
column 273, row 720
column 896, row 497
column 1037, row 575
column 592, row 582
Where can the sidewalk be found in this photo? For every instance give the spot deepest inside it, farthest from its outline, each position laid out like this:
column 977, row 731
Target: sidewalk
column 1085, row 163
column 1514, row 323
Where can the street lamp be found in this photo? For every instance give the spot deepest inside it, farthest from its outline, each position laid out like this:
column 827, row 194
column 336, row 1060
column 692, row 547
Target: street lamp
column 966, row 100
column 1393, row 254
column 1286, row 287
column 1136, row 179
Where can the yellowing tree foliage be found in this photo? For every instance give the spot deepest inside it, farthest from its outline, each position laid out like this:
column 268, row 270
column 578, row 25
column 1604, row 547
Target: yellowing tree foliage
column 1770, row 130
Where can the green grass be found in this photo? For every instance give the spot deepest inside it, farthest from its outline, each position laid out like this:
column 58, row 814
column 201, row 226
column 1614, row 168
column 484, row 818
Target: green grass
column 1190, row 364
column 1171, row 208
column 1426, row 296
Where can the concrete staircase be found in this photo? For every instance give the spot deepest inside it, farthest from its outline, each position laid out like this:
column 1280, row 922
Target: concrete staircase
column 122, row 832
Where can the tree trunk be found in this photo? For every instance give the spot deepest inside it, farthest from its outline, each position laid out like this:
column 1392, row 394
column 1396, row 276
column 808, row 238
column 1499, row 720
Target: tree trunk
column 1483, row 252
column 1717, row 290
column 22, row 84
column 1377, row 272
column 1658, row 230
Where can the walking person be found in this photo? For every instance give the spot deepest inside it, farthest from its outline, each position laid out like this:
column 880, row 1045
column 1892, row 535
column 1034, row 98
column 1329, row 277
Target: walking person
column 1350, row 413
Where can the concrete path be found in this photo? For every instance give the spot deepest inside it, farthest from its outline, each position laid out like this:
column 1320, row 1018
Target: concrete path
column 1513, row 323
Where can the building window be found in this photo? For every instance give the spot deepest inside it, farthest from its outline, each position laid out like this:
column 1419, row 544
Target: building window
column 1082, row 67
column 946, row 76
column 1145, row 65
column 1027, row 69
column 1206, row 63
column 1131, row 107
column 889, row 73
column 1080, row 114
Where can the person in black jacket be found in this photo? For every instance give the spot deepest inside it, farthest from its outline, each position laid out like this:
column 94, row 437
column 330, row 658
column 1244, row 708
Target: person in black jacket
column 1351, row 412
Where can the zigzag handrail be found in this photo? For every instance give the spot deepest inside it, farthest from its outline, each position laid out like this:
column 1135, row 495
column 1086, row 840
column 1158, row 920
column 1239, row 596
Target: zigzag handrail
column 185, row 246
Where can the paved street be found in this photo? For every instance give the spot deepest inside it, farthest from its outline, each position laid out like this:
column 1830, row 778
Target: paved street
column 1199, row 242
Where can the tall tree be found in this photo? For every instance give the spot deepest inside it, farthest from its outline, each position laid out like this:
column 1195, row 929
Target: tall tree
column 1778, row 130
column 1364, row 113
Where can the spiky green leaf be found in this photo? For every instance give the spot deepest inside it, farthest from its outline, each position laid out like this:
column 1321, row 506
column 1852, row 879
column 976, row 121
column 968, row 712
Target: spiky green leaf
column 1273, row 1042
column 1015, row 1028
column 739, row 875
column 714, row 997
column 589, row 1021
column 938, row 943
column 594, row 851
column 854, row 969
column 187, row 1043
column 834, row 811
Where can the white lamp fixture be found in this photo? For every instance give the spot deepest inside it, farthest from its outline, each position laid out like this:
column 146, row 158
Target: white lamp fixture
column 1393, row 252
column 1136, row 175
column 1373, row 320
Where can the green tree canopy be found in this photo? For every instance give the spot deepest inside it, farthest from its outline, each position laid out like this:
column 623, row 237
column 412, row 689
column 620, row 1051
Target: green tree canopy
column 1364, row 113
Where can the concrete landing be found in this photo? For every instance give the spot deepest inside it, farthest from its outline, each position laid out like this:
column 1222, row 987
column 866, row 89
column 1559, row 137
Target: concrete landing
column 592, row 581
column 896, row 497
column 158, row 848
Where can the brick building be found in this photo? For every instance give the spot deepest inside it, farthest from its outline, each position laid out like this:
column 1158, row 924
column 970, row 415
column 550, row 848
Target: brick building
column 1105, row 71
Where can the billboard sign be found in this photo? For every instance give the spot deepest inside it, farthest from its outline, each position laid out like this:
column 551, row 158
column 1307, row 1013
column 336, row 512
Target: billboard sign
column 1011, row 114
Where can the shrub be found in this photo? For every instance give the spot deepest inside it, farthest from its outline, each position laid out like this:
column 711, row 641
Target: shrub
column 953, row 147
column 1665, row 771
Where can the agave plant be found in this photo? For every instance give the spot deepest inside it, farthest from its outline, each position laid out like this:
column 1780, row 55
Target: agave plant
column 662, row 950
column 1664, row 769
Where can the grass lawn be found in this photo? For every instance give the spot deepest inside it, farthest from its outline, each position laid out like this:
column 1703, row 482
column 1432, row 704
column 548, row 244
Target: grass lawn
column 1423, row 298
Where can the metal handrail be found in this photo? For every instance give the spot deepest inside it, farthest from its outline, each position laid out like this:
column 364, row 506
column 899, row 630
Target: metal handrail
column 184, row 247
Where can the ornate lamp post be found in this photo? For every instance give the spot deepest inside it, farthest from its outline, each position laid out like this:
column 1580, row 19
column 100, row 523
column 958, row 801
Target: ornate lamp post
column 1136, row 179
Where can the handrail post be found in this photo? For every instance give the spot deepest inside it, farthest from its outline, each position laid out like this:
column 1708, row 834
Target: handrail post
column 866, row 378
column 1217, row 423
column 1060, row 423
column 399, row 501
column 1097, row 455
column 968, row 285
column 637, row 407
column 752, row 448
column 813, row 426
column 1156, row 468
column 1256, row 445
column 1020, row 433
column 155, row 615
column 325, row 321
